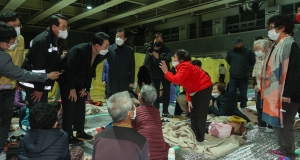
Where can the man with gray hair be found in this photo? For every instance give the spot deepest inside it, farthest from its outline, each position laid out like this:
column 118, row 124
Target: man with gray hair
column 124, row 142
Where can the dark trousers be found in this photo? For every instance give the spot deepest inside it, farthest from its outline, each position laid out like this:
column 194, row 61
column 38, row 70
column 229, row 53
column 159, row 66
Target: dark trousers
column 73, row 112
column 29, row 91
column 200, row 102
column 166, row 93
column 22, row 114
column 285, row 135
column 242, row 84
column 222, row 78
column 259, row 109
column 7, row 98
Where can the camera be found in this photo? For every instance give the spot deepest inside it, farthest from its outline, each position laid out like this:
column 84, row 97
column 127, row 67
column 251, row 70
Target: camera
column 148, row 45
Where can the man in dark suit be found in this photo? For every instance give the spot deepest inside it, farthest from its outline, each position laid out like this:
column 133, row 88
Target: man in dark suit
column 80, row 65
column 120, row 58
column 43, row 56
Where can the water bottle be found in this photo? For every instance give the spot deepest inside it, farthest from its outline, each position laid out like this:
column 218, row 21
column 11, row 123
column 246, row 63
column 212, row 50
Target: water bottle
column 297, row 152
column 171, row 154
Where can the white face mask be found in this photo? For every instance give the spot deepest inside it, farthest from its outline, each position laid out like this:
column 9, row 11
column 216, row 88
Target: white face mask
column 12, row 47
column 215, row 95
column 273, row 35
column 63, row 34
column 18, row 30
column 259, row 53
column 119, row 41
column 103, row 52
column 134, row 113
column 174, row 64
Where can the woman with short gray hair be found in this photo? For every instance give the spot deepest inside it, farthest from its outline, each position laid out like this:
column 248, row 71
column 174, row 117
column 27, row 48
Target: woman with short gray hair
column 260, row 47
column 148, row 123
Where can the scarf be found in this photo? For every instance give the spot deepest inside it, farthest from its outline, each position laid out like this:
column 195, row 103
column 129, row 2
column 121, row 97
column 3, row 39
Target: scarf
column 273, row 77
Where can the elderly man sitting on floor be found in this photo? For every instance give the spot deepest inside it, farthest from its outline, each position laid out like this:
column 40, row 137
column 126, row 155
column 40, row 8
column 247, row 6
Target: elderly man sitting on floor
column 124, row 142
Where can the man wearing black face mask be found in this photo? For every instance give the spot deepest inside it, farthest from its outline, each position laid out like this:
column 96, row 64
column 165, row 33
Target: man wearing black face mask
column 240, row 60
column 154, row 56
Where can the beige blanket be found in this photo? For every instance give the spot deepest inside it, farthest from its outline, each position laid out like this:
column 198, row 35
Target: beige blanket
column 219, row 119
column 91, row 109
column 180, row 134
column 216, row 147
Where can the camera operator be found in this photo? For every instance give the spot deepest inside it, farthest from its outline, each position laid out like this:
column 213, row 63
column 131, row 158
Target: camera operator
column 157, row 52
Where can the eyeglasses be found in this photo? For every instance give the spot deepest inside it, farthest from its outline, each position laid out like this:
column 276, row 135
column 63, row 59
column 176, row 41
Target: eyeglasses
column 64, row 27
column 273, row 27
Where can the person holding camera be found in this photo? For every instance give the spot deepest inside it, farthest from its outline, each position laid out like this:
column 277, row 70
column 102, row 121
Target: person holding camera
column 157, row 52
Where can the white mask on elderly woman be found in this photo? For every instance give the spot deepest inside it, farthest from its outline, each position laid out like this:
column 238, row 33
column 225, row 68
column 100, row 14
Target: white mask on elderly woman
column 134, row 113
column 259, row 53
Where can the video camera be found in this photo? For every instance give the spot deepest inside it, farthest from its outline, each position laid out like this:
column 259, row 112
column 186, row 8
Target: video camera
column 149, row 45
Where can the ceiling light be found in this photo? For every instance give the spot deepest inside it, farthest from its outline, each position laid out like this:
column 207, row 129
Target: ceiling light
column 89, row 7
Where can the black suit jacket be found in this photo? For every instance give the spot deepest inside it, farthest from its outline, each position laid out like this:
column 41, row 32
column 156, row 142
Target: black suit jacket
column 79, row 71
column 121, row 67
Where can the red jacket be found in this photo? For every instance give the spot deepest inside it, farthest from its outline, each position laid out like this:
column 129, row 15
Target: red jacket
column 191, row 77
column 148, row 124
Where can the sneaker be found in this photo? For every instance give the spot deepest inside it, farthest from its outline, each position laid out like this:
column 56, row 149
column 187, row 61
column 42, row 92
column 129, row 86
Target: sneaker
column 83, row 135
column 183, row 114
column 75, row 141
column 268, row 130
column 164, row 120
column 258, row 127
column 276, row 151
column 168, row 115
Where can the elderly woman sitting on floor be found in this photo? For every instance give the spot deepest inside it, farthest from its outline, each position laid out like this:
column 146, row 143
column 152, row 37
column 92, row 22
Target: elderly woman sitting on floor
column 148, row 123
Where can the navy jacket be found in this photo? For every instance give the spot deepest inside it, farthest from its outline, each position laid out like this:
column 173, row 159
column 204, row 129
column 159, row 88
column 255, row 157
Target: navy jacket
column 40, row 144
column 225, row 107
column 240, row 63
column 105, row 72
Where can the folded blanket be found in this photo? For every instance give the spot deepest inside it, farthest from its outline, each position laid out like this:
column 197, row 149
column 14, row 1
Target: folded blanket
column 251, row 114
column 179, row 134
column 91, row 109
column 216, row 147
column 219, row 119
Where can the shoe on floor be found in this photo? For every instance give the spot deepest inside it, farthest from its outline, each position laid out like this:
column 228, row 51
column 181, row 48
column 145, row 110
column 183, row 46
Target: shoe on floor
column 282, row 158
column 168, row 115
column 165, row 120
column 276, row 151
column 74, row 141
column 183, row 114
column 83, row 135
column 258, row 127
column 268, row 130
